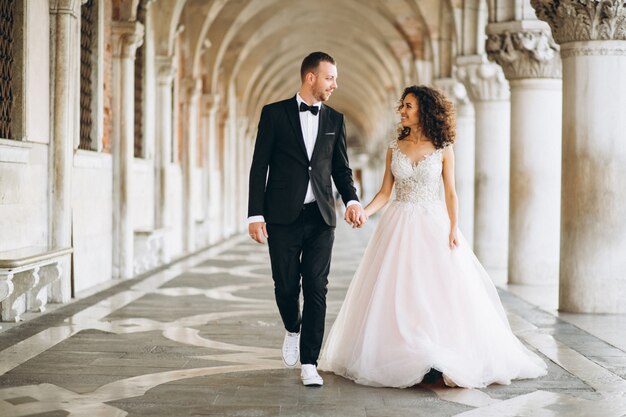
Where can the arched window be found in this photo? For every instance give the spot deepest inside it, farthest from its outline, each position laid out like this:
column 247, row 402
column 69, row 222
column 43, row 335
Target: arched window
column 7, row 54
column 140, row 59
column 88, row 70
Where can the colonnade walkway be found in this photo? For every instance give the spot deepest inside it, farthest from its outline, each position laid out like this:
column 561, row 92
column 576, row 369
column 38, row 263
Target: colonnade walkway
column 202, row 338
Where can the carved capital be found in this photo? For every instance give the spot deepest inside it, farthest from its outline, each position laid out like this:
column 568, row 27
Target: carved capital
column 528, row 52
column 210, row 102
column 127, row 37
column 583, row 20
column 483, row 80
column 71, row 7
column 454, row 90
column 165, row 69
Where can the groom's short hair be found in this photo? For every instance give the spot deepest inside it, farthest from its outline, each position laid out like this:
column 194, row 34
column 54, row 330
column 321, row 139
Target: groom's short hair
column 312, row 61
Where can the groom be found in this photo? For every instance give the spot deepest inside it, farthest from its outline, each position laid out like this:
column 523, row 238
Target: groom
column 302, row 143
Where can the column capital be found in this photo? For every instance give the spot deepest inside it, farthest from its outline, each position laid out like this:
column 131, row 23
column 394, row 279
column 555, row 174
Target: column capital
column 576, row 21
column 71, row 7
column 127, row 37
column 524, row 49
column 165, row 69
column 454, row 90
column 483, row 80
column 242, row 122
column 210, row 102
column 192, row 87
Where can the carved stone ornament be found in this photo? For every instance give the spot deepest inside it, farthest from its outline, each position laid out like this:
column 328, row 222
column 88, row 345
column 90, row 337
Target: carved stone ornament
column 483, row 80
column 583, row 20
column 525, row 54
column 454, row 90
column 127, row 37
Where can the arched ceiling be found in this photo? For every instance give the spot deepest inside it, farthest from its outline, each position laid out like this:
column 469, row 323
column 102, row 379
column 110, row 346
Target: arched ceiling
column 255, row 47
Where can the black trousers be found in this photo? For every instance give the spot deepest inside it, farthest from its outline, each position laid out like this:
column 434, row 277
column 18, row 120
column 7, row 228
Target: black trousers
column 300, row 255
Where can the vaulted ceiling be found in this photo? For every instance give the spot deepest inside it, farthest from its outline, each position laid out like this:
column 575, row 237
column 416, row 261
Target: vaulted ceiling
column 252, row 49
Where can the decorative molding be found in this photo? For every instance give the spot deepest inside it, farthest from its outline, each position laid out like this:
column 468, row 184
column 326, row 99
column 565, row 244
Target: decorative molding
column 14, row 151
column 483, row 80
column 583, row 20
column 594, row 48
column 528, row 53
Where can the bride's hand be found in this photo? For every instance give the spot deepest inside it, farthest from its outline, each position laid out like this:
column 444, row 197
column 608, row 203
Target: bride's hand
column 453, row 239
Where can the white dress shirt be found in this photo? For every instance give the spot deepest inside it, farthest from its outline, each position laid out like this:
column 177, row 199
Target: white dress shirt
column 309, row 123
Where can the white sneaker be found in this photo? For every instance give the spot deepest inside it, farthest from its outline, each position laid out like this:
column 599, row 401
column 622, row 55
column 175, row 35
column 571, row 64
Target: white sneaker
column 291, row 349
column 310, row 377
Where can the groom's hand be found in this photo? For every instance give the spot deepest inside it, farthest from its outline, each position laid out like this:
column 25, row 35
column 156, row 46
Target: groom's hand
column 355, row 216
column 258, row 231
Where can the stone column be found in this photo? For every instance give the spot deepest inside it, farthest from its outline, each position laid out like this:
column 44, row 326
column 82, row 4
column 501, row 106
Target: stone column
column 229, row 173
column 212, row 168
column 189, row 157
column 592, row 36
column 489, row 91
column 126, row 37
column 243, row 174
column 65, row 82
column 163, row 142
column 464, row 153
column 530, row 59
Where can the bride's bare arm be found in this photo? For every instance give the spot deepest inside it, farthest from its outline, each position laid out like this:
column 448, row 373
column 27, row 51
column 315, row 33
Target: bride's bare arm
column 452, row 202
column 382, row 197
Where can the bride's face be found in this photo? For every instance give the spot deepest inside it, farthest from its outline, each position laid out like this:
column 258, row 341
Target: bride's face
column 409, row 111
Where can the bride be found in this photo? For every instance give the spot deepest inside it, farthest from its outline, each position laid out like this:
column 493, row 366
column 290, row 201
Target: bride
column 420, row 301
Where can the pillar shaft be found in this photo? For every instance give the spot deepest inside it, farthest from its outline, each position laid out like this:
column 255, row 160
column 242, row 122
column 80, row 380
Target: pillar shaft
column 163, row 142
column 489, row 91
column 530, row 60
column 592, row 36
column 593, row 227
column 127, row 36
column 66, row 89
column 212, row 170
column 535, row 181
column 464, row 153
column 189, row 159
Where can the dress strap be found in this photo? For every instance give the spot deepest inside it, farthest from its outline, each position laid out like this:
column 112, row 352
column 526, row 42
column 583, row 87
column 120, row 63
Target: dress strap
column 393, row 144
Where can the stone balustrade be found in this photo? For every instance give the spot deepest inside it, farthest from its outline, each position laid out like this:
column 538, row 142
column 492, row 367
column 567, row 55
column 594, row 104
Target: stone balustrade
column 25, row 276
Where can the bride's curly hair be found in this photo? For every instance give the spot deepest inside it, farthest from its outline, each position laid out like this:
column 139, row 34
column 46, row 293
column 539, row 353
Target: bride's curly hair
column 436, row 115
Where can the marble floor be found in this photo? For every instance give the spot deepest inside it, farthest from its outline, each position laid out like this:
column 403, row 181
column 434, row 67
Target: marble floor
column 202, row 338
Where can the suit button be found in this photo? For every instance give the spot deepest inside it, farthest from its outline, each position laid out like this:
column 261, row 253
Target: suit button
column 310, row 168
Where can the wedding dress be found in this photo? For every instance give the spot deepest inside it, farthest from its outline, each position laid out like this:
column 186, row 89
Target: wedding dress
column 415, row 304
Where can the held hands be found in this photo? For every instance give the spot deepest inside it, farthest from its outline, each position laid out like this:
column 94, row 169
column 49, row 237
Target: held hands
column 453, row 239
column 355, row 216
column 258, row 231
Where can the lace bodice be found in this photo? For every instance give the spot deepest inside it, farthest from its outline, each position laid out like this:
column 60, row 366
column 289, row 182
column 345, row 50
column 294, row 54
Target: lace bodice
column 420, row 182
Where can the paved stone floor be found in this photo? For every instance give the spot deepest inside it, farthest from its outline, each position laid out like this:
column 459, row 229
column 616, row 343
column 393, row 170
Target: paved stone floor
column 202, row 338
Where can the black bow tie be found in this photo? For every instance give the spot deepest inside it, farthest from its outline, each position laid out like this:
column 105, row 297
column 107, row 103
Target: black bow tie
column 306, row 107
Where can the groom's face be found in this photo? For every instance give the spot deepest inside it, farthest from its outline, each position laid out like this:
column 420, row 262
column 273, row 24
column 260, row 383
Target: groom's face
column 324, row 81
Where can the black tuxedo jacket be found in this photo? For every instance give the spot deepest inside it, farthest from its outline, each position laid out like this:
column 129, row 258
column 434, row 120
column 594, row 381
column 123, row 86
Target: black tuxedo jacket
column 280, row 148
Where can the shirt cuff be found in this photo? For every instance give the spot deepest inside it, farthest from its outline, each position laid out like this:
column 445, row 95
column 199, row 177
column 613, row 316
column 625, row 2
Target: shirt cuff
column 254, row 219
column 351, row 202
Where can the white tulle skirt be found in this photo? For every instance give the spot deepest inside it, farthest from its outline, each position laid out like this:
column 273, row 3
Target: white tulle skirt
column 415, row 304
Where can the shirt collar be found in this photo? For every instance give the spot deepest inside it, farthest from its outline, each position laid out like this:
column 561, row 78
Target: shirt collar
column 300, row 100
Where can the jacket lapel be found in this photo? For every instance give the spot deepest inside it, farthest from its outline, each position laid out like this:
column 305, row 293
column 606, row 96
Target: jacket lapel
column 294, row 118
